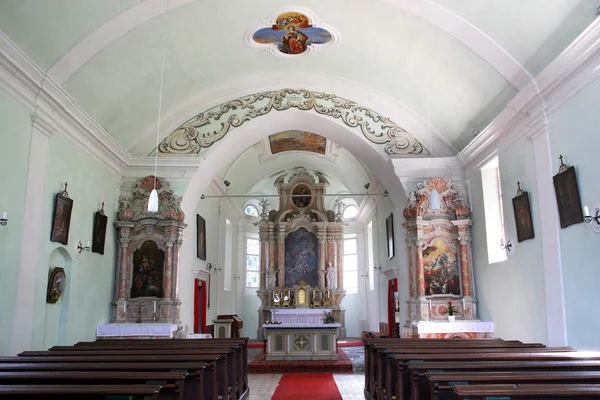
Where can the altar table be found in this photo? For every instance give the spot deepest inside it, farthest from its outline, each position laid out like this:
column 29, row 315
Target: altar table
column 302, row 341
column 116, row 331
column 459, row 328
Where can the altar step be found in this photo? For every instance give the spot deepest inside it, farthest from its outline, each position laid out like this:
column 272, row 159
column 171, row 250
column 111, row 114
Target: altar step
column 259, row 365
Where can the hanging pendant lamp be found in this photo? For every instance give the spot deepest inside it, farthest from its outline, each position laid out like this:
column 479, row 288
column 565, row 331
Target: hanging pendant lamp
column 153, row 200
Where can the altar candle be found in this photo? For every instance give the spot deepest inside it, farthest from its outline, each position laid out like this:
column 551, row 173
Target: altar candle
column 154, row 305
column 464, row 307
column 586, row 212
column 429, row 304
column 125, row 307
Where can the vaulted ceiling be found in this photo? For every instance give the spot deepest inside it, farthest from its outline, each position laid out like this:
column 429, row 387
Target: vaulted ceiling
column 452, row 63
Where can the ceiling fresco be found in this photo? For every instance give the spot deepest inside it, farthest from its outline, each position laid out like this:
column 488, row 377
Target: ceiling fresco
column 292, row 34
column 297, row 141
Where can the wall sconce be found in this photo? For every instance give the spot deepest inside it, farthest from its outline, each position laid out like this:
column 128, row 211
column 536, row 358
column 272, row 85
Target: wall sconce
column 4, row 219
column 209, row 267
column 80, row 247
column 593, row 220
column 506, row 246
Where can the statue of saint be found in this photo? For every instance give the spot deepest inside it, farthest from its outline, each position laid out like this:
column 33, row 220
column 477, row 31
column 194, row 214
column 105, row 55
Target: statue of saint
column 271, row 277
column 331, row 276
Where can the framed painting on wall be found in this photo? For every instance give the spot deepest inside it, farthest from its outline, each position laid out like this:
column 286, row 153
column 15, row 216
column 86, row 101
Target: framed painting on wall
column 567, row 197
column 99, row 235
column 61, row 221
column 523, row 221
column 389, row 228
column 56, row 285
column 200, row 237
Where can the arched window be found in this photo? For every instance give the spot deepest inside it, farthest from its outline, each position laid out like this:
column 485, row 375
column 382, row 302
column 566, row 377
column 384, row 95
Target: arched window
column 251, row 210
column 350, row 212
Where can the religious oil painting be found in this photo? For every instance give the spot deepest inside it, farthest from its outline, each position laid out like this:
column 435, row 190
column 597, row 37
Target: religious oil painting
column 389, row 228
column 61, row 221
column 301, row 258
column 148, row 270
column 200, row 237
column 567, row 197
column 99, row 234
column 297, row 141
column 292, row 33
column 523, row 220
column 56, row 285
column 440, row 266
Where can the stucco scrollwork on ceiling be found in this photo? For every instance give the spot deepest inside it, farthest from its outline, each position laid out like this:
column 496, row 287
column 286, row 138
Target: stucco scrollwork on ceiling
column 208, row 127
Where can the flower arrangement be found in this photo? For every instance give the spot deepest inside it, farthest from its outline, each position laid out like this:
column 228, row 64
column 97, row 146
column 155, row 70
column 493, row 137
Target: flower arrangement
column 451, row 310
column 328, row 318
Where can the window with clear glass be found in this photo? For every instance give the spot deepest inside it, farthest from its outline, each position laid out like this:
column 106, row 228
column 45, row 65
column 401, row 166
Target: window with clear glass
column 251, row 211
column 370, row 255
column 350, row 212
column 494, row 211
column 350, row 263
column 228, row 250
column 252, row 262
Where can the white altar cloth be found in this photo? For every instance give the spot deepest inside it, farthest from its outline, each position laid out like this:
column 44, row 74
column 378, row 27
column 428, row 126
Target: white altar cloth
column 129, row 330
column 454, row 327
column 298, row 316
column 198, row 336
column 301, row 326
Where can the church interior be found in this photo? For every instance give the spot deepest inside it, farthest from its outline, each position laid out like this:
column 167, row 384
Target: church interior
column 383, row 199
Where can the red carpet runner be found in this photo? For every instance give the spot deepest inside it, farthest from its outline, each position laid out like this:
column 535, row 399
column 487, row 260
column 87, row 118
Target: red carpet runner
column 319, row 386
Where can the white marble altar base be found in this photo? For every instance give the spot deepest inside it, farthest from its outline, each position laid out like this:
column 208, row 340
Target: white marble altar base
column 115, row 331
column 302, row 343
column 299, row 316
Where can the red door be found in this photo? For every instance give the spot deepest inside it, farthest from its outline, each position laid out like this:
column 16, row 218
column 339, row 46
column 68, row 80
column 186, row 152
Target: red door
column 392, row 288
column 199, row 306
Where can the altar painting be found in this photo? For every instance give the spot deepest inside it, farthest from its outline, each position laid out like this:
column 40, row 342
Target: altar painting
column 148, row 268
column 440, row 266
column 301, row 258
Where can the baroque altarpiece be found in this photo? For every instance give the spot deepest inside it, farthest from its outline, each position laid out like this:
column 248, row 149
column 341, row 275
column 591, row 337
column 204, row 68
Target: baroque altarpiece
column 439, row 260
column 148, row 256
column 301, row 262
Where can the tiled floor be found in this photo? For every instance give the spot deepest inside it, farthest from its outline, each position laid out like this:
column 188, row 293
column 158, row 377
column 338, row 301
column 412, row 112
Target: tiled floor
column 262, row 386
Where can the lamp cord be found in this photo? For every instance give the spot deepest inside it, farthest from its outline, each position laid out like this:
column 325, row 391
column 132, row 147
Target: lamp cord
column 162, row 74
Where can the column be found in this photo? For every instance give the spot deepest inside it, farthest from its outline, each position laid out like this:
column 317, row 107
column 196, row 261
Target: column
column 322, row 237
column 410, row 241
column 264, row 237
column 281, row 258
column 272, row 248
column 340, row 260
column 22, row 324
column 124, row 232
column 168, row 269
column 464, row 265
column 175, row 279
column 420, row 272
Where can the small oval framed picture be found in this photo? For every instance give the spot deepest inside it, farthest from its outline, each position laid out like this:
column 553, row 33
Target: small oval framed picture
column 56, row 285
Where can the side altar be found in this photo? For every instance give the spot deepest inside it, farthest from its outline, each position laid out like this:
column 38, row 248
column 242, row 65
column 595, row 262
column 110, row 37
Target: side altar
column 440, row 265
column 301, row 258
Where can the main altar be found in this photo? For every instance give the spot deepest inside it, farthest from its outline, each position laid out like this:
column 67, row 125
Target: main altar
column 301, row 271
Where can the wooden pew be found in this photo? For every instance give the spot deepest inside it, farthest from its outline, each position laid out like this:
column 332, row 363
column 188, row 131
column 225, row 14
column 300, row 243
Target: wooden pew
column 240, row 344
column 372, row 346
column 440, row 383
column 388, row 362
column 76, row 392
column 172, row 382
column 216, row 381
column 527, row 391
column 232, row 370
column 401, row 360
column 376, row 361
column 193, row 383
column 418, row 370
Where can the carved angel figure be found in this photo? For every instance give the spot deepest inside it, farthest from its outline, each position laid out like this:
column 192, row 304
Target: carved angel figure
column 331, row 276
column 125, row 208
column 271, row 277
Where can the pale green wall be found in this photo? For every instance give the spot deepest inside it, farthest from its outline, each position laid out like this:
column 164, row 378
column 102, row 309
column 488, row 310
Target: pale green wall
column 384, row 208
column 15, row 132
column 90, row 287
column 511, row 293
column 574, row 134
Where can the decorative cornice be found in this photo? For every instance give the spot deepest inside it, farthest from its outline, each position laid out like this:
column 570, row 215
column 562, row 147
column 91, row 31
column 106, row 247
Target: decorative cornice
column 575, row 68
column 50, row 103
column 201, row 274
column 391, row 273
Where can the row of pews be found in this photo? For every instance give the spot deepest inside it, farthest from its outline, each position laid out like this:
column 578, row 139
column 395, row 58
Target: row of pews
column 441, row 369
column 191, row 369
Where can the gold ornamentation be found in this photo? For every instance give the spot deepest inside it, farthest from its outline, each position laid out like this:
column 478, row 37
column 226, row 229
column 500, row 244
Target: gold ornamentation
column 206, row 128
column 301, row 342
